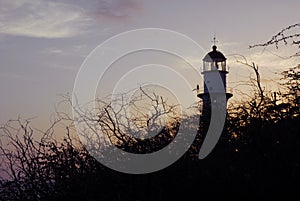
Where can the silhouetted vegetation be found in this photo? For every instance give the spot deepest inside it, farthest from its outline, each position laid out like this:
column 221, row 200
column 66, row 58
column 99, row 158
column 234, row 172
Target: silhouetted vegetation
column 257, row 157
column 287, row 36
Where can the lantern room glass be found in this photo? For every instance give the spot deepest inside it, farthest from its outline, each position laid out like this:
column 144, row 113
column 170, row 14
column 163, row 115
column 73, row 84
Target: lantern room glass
column 214, row 65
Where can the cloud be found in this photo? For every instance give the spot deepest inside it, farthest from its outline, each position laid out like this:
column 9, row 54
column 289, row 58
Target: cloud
column 116, row 9
column 38, row 18
column 75, row 50
column 66, row 18
column 54, row 51
column 277, row 60
column 11, row 76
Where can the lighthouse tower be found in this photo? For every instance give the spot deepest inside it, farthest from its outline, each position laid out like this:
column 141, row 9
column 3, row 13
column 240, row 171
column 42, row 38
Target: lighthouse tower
column 214, row 72
column 214, row 97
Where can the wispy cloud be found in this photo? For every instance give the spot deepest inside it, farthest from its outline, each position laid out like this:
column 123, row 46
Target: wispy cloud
column 75, row 50
column 53, row 51
column 278, row 60
column 11, row 76
column 63, row 67
column 116, row 9
column 38, row 18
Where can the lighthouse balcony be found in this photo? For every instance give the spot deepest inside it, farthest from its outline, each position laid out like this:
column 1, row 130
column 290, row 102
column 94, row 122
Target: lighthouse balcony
column 202, row 93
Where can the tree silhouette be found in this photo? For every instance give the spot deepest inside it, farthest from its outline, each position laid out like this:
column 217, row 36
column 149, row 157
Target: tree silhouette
column 256, row 158
column 257, row 153
column 286, row 36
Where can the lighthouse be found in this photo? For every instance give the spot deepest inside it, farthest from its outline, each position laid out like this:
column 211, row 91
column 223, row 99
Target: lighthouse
column 214, row 69
column 214, row 97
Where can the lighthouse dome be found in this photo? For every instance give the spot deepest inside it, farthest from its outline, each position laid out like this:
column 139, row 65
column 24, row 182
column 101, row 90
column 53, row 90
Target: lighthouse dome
column 214, row 55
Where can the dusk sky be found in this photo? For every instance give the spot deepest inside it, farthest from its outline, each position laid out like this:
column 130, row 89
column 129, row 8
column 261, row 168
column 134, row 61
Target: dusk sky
column 44, row 43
